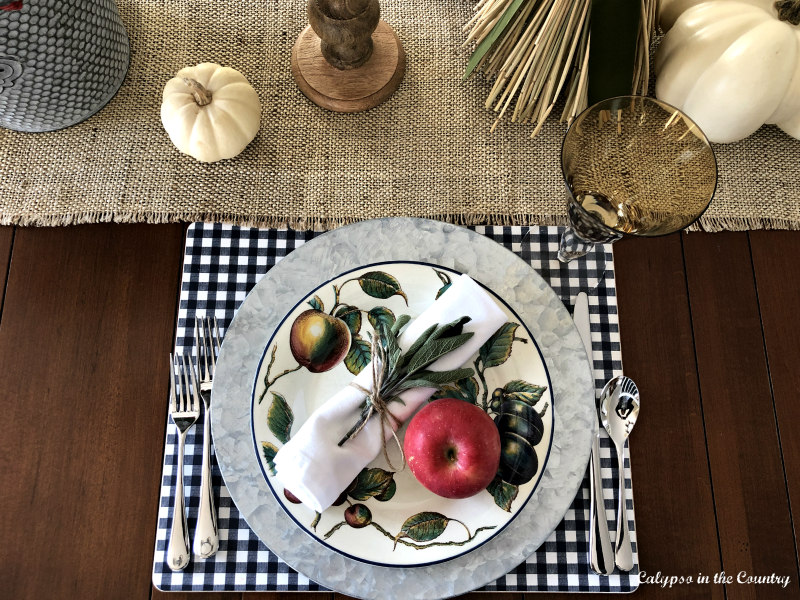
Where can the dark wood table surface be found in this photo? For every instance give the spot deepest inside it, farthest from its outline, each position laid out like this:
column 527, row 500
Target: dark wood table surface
column 710, row 332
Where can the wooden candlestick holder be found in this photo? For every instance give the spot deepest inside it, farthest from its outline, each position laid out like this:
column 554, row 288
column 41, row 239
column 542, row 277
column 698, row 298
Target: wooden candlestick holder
column 347, row 59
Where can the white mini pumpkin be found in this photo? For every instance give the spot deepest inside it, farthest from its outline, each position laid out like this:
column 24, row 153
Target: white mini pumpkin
column 210, row 112
column 731, row 65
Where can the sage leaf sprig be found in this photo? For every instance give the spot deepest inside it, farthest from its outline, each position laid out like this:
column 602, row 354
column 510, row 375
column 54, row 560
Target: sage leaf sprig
column 398, row 371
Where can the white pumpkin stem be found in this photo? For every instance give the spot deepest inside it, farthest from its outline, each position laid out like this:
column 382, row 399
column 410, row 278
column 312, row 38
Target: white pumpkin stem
column 788, row 10
column 201, row 95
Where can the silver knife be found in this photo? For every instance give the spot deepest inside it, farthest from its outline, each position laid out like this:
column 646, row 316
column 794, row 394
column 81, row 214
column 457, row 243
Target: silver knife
column 601, row 555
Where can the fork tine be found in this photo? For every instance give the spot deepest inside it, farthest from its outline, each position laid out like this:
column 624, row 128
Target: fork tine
column 185, row 395
column 199, row 344
column 208, row 343
column 216, row 345
column 194, row 397
column 172, row 404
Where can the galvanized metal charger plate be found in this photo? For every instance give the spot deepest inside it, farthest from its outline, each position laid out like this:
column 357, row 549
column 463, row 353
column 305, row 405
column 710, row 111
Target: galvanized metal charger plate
column 446, row 245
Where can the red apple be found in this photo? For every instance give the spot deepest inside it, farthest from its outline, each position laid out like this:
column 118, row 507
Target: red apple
column 452, row 448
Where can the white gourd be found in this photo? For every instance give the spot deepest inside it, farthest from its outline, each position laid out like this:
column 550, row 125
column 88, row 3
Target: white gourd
column 731, row 65
column 210, row 112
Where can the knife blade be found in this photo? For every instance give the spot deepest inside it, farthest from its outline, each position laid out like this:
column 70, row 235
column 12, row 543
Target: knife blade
column 601, row 555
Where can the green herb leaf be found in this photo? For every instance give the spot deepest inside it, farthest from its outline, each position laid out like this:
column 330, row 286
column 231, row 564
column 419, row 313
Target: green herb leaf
column 435, row 349
column 280, row 418
column 316, row 302
column 371, row 483
column 504, row 493
column 401, row 322
column 381, row 285
column 497, row 348
column 523, row 391
column 418, row 343
column 351, row 315
column 358, row 356
column 270, row 451
column 434, row 379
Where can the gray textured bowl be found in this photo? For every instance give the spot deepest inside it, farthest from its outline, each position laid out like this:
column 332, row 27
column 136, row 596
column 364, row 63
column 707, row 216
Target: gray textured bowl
column 60, row 62
column 411, row 240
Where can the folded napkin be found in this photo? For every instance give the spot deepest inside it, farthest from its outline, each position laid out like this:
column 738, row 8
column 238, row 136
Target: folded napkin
column 314, row 467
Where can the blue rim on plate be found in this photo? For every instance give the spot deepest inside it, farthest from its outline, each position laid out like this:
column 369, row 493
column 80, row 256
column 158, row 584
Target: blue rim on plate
column 529, row 488
column 445, row 245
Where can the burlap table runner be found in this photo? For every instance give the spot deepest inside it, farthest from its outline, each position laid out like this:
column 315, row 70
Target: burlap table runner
column 426, row 152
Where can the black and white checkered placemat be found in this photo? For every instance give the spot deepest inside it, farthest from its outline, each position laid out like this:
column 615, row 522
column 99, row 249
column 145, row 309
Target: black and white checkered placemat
column 222, row 264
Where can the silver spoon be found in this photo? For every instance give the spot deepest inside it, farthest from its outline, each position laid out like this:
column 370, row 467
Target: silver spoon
column 619, row 408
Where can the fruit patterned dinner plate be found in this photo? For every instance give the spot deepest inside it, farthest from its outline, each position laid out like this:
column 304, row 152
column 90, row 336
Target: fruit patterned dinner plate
column 444, row 569
column 386, row 517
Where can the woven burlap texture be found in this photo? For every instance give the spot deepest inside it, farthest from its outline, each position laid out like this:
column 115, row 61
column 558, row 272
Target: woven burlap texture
column 426, row 152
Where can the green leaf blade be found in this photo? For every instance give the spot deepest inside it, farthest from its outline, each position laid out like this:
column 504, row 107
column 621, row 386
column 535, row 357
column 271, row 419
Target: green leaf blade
column 424, row 526
column 372, row 483
column 280, row 418
column 503, row 493
column 358, row 356
column 351, row 316
column 435, row 349
column 270, row 451
column 381, row 285
column 497, row 348
column 490, row 40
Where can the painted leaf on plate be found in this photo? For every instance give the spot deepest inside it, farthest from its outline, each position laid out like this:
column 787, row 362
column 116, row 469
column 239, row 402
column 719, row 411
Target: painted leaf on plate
column 358, row 356
column 424, row 526
column 269, row 450
column 446, row 282
column 379, row 284
column 371, row 483
column 316, row 302
column 280, row 418
column 504, row 493
column 523, row 391
column 464, row 389
column 351, row 315
column 380, row 315
column 497, row 348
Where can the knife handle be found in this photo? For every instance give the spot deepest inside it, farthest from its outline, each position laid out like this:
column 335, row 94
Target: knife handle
column 601, row 555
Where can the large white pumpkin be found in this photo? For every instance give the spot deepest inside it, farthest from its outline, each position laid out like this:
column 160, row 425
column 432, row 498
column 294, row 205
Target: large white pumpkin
column 731, row 65
column 210, row 112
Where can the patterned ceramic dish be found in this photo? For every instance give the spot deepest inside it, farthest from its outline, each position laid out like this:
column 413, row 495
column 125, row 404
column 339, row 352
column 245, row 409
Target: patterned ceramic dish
column 448, row 247
column 395, row 521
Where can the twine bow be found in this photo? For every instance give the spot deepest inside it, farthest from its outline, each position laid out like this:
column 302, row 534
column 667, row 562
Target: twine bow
column 375, row 403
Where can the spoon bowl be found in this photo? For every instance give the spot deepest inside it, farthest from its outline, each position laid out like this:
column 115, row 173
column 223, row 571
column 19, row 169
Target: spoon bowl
column 619, row 409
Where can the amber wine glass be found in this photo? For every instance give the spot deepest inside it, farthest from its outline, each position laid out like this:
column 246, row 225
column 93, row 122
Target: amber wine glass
column 633, row 165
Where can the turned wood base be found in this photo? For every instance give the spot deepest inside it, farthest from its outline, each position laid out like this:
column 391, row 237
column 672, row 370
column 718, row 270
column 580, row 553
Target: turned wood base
column 351, row 90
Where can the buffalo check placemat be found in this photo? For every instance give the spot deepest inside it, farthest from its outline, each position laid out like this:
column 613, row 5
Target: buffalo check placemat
column 222, row 263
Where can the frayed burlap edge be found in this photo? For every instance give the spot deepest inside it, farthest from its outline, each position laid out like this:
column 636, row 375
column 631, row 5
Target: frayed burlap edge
column 321, row 223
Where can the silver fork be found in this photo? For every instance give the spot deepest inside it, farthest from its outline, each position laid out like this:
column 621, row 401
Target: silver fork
column 184, row 408
column 207, row 340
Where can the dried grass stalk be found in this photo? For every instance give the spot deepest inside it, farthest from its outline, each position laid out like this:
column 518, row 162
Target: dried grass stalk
column 542, row 49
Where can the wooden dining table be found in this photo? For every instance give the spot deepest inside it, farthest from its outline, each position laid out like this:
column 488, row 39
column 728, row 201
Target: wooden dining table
column 709, row 331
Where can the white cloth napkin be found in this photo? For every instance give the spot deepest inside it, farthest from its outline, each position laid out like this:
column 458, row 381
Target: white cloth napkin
column 313, row 466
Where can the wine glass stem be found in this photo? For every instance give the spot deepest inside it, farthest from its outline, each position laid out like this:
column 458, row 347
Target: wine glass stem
column 572, row 246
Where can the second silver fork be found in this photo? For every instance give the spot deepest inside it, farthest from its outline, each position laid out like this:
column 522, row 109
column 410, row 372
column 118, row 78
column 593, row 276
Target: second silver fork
column 207, row 341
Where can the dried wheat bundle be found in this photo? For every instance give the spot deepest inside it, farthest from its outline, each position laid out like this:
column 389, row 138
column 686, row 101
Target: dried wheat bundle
column 535, row 49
